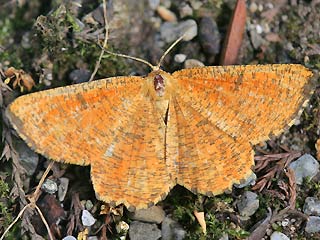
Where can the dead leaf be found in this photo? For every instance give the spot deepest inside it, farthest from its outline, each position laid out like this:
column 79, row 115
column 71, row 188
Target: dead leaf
column 200, row 217
column 271, row 166
column 19, row 78
column 292, row 188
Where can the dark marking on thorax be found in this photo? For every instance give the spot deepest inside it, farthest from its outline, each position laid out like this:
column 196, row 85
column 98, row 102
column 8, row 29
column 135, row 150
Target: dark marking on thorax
column 159, row 85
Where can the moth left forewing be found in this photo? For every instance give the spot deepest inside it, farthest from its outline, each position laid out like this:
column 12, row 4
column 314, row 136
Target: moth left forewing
column 81, row 118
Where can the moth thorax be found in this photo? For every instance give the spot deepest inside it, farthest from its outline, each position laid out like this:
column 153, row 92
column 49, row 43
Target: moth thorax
column 159, row 85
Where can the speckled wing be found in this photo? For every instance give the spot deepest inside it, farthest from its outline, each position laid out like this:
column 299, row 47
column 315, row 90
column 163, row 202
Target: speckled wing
column 208, row 160
column 133, row 169
column 252, row 102
column 73, row 124
column 217, row 113
column 109, row 124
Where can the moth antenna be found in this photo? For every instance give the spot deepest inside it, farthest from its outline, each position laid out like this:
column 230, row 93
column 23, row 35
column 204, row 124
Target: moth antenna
column 134, row 58
column 169, row 49
column 154, row 68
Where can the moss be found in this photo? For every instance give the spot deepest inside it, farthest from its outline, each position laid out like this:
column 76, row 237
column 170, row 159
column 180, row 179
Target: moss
column 6, row 212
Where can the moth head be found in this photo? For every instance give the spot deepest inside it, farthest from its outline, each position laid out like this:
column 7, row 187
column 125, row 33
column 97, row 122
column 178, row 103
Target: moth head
column 159, row 84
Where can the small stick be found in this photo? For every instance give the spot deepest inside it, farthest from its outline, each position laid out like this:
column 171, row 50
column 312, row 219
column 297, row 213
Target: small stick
column 33, row 199
column 154, row 68
column 106, row 27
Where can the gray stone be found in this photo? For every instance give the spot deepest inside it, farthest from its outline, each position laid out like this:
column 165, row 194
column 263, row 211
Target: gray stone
column 153, row 214
column 193, row 63
column 209, row 36
column 170, row 229
column 154, row 4
column 278, row 236
column 171, row 31
column 196, row 4
column 312, row 206
column 87, row 219
column 29, row 159
column 49, row 186
column 313, row 225
column 144, row 231
column 251, row 180
column 63, row 188
column 305, row 166
column 248, row 204
column 79, row 76
column 93, row 238
column 185, row 10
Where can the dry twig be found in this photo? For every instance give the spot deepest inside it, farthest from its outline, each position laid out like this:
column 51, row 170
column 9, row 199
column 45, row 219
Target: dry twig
column 33, row 199
column 106, row 27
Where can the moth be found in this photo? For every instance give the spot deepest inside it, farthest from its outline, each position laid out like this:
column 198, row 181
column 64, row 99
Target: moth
column 143, row 135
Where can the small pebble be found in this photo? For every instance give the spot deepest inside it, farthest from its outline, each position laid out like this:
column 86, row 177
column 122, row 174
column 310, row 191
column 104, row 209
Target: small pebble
column 209, row 36
column 63, row 188
column 171, row 229
column 28, row 158
column 251, row 180
column 278, row 236
column 87, row 219
column 312, row 206
column 154, row 4
column 166, row 14
column 185, row 10
column 253, row 7
column 144, row 231
column 171, row 31
column 305, row 166
column 196, row 4
column 49, row 186
column 180, row 58
column 285, row 222
column 93, row 238
column 259, row 29
column 88, row 205
column 193, row 63
column 69, row 238
column 154, row 214
column 79, row 76
column 248, row 204
column 313, row 225
column 256, row 39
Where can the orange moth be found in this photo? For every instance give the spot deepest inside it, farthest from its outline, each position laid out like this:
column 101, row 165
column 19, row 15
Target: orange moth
column 143, row 135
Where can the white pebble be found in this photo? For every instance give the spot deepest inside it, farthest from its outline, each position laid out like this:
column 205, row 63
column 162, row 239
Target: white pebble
column 87, row 219
column 259, row 29
column 180, row 58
